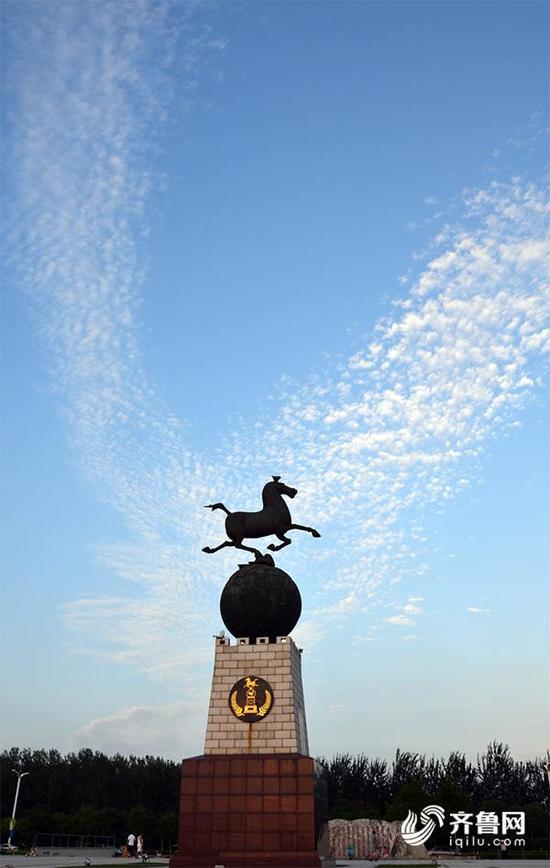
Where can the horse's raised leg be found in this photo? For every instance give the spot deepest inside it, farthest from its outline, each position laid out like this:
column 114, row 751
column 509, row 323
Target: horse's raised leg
column 310, row 530
column 210, row 551
column 285, row 542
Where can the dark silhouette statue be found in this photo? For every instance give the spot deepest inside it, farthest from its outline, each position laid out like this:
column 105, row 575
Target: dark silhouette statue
column 273, row 519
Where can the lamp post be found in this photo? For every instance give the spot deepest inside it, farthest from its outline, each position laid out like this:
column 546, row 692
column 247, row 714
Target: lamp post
column 12, row 821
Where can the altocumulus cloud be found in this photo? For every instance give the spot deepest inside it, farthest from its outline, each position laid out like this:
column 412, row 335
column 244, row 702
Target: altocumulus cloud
column 395, row 432
column 399, row 620
column 401, row 429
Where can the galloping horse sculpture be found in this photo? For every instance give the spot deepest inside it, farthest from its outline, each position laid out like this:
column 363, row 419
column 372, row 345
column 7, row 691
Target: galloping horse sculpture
column 274, row 519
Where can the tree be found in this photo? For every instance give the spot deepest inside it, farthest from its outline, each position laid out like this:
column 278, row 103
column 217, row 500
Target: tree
column 412, row 796
column 168, row 831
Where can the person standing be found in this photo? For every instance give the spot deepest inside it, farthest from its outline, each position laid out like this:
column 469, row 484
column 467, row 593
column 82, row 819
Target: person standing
column 131, row 842
column 140, row 853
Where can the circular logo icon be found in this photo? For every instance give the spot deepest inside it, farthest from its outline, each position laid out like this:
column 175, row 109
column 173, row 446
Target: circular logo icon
column 408, row 826
column 251, row 699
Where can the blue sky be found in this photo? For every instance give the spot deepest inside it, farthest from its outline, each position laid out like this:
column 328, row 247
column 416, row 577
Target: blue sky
column 305, row 239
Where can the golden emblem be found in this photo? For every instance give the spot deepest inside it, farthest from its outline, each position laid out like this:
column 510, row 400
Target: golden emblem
column 263, row 709
column 235, row 707
column 250, row 699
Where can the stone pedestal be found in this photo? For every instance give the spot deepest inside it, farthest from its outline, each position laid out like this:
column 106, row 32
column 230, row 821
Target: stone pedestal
column 248, row 811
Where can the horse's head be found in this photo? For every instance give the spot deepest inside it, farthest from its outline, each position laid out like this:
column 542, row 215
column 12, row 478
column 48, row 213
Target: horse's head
column 279, row 487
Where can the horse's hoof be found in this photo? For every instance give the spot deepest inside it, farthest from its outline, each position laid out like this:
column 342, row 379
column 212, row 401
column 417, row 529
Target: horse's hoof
column 272, row 547
column 315, row 533
column 208, row 550
column 265, row 559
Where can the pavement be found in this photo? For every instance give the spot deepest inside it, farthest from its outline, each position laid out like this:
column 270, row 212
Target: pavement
column 7, row 861
column 450, row 863
column 71, row 861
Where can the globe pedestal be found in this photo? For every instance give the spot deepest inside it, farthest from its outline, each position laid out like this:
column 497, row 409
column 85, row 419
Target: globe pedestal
column 260, row 600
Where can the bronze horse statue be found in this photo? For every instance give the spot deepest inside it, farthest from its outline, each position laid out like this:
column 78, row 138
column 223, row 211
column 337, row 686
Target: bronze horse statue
column 274, row 519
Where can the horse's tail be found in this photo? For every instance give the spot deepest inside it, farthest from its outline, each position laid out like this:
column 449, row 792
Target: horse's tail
column 214, row 506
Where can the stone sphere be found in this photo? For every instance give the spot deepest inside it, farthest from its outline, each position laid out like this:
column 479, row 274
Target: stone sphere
column 260, row 600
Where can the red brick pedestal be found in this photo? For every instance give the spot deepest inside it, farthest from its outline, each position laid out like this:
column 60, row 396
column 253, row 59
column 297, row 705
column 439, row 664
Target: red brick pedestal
column 251, row 811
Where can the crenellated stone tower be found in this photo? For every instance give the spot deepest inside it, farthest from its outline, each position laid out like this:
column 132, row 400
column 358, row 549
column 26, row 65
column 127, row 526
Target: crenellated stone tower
column 284, row 729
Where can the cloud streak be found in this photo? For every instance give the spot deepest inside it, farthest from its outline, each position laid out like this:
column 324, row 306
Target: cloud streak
column 85, row 131
column 377, row 446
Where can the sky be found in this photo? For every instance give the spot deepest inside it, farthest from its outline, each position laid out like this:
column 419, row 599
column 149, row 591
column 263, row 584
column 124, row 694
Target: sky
column 306, row 239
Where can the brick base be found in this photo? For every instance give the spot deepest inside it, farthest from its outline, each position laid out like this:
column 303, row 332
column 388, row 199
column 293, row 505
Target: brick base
column 248, row 811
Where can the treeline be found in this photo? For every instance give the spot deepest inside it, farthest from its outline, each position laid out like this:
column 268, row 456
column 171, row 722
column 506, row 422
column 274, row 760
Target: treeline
column 89, row 793
column 362, row 787
column 381, row 790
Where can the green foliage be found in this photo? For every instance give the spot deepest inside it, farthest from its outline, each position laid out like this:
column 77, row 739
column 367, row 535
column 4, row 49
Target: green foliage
column 455, row 783
column 89, row 778
column 360, row 787
column 411, row 796
column 347, row 809
column 167, row 828
column 90, row 793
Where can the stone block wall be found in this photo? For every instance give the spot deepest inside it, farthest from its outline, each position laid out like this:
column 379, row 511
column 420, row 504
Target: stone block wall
column 284, row 729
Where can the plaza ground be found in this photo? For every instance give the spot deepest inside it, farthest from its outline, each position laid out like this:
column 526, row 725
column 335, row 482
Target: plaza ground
column 72, row 862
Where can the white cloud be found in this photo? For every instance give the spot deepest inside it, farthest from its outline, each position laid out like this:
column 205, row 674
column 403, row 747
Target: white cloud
column 175, row 730
column 308, row 633
column 399, row 620
column 474, row 610
column 411, row 609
